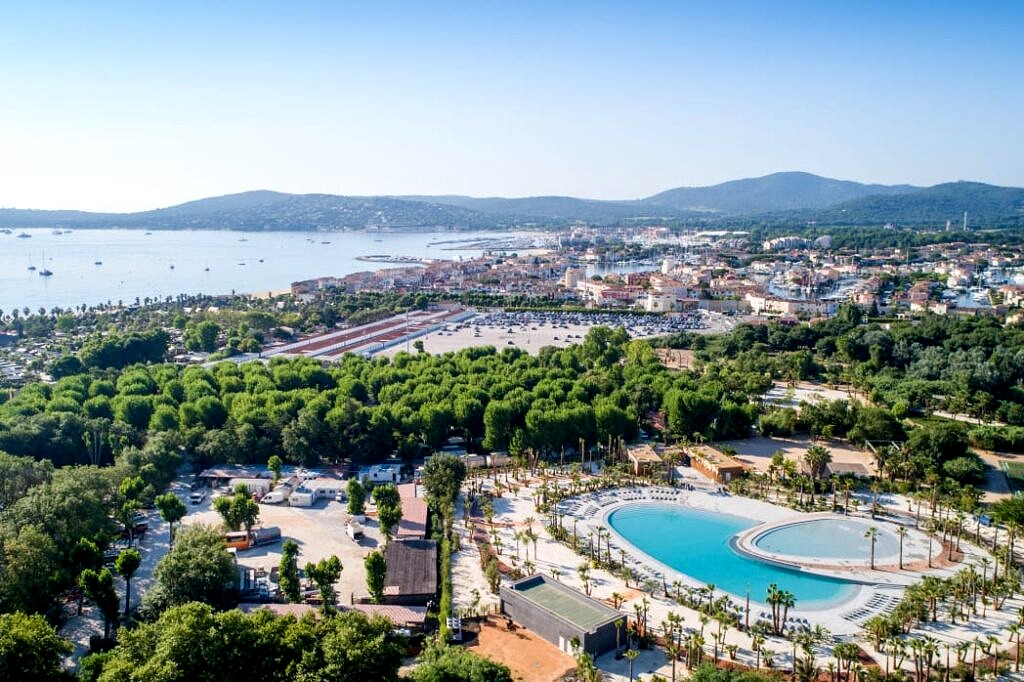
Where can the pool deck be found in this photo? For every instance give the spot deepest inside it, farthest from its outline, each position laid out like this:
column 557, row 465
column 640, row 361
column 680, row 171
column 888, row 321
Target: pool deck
column 877, row 591
column 915, row 548
column 515, row 511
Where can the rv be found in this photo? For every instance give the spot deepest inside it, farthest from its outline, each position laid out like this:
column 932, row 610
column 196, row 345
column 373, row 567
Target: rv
column 354, row 530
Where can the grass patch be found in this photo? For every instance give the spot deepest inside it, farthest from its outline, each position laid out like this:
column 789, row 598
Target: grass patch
column 1015, row 474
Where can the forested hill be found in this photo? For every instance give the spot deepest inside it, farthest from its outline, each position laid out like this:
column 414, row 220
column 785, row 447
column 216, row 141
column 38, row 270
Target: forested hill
column 984, row 204
column 780, row 198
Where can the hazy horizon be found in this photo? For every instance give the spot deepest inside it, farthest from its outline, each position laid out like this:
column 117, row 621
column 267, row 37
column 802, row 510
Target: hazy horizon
column 128, row 107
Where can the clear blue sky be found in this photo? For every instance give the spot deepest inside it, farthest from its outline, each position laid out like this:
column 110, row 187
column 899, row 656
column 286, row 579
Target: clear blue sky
column 125, row 106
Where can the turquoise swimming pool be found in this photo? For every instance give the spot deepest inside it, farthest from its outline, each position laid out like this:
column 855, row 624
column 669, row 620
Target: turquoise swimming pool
column 828, row 539
column 696, row 543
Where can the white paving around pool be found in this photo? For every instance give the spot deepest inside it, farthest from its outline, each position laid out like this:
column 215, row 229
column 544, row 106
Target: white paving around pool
column 883, row 589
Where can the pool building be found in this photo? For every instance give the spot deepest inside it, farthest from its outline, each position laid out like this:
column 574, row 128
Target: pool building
column 559, row 613
column 715, row 464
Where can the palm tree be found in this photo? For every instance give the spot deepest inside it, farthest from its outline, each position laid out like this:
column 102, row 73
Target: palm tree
column 630, row 655
column 902, row 532
column 1015, row 629
column 757, row 644
column 817, row 458
column 872, row 535
column 584, row 573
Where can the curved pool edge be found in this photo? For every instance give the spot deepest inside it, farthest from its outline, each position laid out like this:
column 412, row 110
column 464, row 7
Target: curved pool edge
column 862, row 592
column 838, row 567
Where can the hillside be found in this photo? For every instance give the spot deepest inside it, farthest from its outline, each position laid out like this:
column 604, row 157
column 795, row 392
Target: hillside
column 775, row 192
column 933, row 205
column 780, row 198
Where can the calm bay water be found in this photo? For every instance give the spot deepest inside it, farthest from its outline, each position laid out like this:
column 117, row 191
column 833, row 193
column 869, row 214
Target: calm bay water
column 136, row 264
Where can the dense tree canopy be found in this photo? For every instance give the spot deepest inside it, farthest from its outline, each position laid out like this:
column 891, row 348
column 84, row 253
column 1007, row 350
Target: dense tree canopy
column 192, row 642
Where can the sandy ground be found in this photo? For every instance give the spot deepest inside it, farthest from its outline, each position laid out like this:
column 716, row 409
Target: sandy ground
column 805, row 391
column 319, row 532
column 530, row 658
column 758, row 451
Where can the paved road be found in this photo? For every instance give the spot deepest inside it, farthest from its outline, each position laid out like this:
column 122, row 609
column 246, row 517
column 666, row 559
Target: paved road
column 153, row 546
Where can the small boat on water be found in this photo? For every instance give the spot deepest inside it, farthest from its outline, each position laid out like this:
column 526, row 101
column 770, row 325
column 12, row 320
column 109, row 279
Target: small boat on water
column 97, row 262
column 45, row 272
column 30, row 265
column 24, row 235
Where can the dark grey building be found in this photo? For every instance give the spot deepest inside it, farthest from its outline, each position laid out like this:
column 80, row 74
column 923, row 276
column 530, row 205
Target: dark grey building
column 411, row 572
column 559, row 613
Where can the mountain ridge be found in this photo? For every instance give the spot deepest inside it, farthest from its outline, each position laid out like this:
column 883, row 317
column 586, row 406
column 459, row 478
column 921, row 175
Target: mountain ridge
column 786, row 197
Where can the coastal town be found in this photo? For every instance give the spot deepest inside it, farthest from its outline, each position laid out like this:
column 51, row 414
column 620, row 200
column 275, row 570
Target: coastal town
column 511, row 342
column 542, row 559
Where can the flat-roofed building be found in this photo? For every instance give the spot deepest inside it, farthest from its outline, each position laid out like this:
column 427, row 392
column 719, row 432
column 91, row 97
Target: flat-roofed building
column 715, row 464
column 413, row 524
column 559, row 614
column 643, row 459
column 312, row 491
column 411, row 572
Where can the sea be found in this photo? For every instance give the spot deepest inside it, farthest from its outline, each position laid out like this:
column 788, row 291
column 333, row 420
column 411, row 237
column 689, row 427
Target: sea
column 97, row 266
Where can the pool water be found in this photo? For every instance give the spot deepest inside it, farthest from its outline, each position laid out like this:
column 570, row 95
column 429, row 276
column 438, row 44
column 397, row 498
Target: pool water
column 696, row 543
column 828, row 538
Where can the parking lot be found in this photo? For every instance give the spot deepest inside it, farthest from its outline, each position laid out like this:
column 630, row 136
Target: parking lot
column 319, row 531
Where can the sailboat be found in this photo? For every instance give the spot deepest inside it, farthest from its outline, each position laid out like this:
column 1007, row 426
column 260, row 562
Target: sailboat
column 45, row 272
column 30, row 266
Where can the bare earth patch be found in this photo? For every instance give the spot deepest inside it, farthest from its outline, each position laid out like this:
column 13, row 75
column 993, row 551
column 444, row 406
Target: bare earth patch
column 529, row 657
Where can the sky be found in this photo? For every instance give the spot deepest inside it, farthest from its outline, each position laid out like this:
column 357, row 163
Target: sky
column 110, row 106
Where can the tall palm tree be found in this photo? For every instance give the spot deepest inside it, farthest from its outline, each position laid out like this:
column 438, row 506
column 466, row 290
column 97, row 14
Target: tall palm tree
column 902, row 532
column 630, row 655
column 817, row 458
column 872, row 535
column 1014, row 630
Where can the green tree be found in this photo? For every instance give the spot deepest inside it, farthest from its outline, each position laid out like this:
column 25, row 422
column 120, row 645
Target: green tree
column 442, row 477
column 30, row 649
column 325, row 573
column 99, row 587
column 188, row 642
column 29, row 570
column 239, row 510
column 289, row 571
column 274, row 464
column 389, row 508
column 202, row 337
column 126, row 564
column 356, row 497
column 198, row 567
column 376, row 574
column 442, row 663
column 172, row 510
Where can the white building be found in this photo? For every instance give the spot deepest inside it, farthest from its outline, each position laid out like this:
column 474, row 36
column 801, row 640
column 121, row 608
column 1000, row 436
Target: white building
column 312, row 491
column 381, row 473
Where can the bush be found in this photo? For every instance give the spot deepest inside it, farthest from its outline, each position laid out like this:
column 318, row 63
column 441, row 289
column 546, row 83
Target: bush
column 1008, row 438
